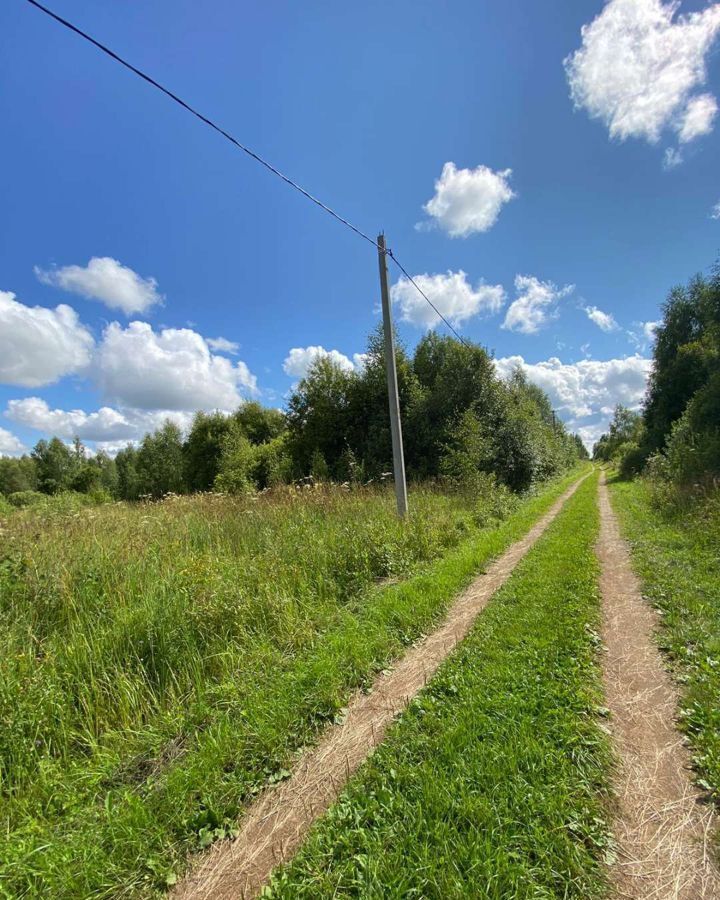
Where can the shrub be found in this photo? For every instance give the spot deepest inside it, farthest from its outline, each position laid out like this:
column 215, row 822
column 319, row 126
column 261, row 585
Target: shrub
column 236, row 463
column 272, row 463
column 21, row 499
column 693, row 452
column 466, row 453
column 630, row 459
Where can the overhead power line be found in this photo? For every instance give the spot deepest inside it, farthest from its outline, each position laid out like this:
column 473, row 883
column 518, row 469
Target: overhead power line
column 251, row 153
column 199, row 115
column 423, row 294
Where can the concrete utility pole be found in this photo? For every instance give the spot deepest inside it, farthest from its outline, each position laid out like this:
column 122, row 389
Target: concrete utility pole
column 395, row 426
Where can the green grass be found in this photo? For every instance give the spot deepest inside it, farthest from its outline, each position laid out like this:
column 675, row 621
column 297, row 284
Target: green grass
column 492, row 783
column 676, row 553
column 161, row 663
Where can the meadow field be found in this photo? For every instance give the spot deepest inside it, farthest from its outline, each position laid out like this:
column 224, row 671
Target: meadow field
column 163, row 662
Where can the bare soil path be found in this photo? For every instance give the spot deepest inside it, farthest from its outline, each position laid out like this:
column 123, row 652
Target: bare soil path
column 275, row 825
column 661, row 828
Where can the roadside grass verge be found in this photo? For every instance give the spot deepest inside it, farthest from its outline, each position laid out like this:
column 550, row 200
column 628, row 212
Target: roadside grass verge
column 162, row 663
column 676, row 553
column 492, row 783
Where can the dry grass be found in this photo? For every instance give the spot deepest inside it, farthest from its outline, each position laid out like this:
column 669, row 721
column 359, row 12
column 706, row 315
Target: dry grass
column 662, row 830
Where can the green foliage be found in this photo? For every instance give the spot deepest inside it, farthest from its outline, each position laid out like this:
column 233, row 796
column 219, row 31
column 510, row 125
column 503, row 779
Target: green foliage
column 626, row 432
column 56, row 465
column 273, row 465
column 445, row 388
column 245, row 466
column 580, row 448
column 128, row 479
column 159, row 463
column 631, row 459
column 237, row 461
column 21, row 499
column 686, row 355
column 203, row 449
column 260, row 425
column 17, row 474
column 208, row 441
column 63, row 503
column 453, row 379
column 692, row 452
column 682, row 410
column 467, row 456
column 318, row 414
column 491, row 783
column 318, row 467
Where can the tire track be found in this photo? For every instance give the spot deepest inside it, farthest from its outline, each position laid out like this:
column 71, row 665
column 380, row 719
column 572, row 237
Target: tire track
column 277, row 822
column 661, row 829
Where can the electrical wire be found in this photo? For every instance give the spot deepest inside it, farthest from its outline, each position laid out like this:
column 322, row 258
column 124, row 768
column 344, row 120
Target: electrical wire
column 423, row 294
column 240, row 146
column 199, row 115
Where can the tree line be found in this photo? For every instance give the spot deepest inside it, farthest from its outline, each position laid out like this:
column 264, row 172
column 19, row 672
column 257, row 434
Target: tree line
column 461, row 423
column 676, row 435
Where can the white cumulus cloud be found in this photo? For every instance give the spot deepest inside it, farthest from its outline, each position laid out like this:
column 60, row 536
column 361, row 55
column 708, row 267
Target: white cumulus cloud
column 582, row 389
column 298, row 361
column 639, row 65
column 40, row 345
column 107, row 426
column 535, row 304
column 171, row 369
column 9, row 444
column 106, row 280
column 451, row 293
column 715, row 214
column 604, row 321
column 468, row 200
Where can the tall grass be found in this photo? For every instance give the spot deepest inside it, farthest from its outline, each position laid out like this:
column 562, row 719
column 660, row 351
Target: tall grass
column 162, row 661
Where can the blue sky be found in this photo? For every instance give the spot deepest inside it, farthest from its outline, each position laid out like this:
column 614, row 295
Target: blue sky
column 583, row 190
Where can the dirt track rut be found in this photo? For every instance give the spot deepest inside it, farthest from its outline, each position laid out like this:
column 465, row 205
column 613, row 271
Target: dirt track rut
column 661, row 828
column 275, row 825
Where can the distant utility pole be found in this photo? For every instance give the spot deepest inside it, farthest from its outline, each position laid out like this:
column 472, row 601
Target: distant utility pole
column 391, row 368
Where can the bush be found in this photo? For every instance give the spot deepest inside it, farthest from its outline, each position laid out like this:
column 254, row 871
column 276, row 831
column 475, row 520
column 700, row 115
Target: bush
column 21, row 499
column 631, row 460
column 467, row 452
column 237, row 462
column 99, row 496
column 272, row 464
column 693, row 451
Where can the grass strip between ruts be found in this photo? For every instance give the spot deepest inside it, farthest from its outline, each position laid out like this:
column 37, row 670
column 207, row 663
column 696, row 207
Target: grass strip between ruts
column 675, row 554
column 134, row 843
column 492, row 784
